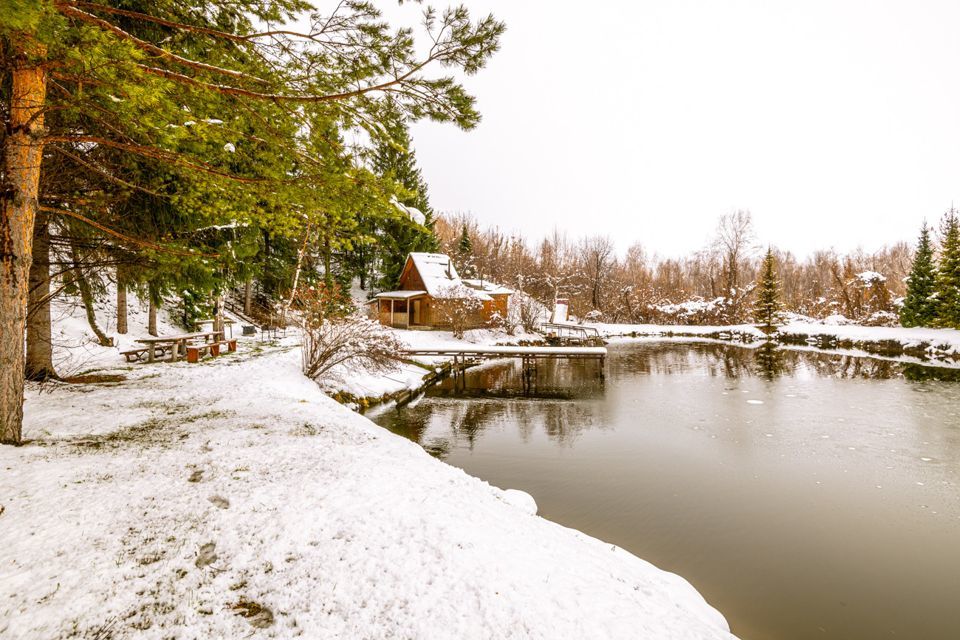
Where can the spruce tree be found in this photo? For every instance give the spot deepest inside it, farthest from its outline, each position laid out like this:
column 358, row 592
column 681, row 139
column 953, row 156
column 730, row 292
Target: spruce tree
column 948, row 273
column 766, row 311
column 397, row 235
column 465, row 253
column 919, row 306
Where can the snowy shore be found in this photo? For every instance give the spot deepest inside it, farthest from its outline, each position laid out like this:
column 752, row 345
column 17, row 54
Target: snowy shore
column 932, row 346
column 234, row 499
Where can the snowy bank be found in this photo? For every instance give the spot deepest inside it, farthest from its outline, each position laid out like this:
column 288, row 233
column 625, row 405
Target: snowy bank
column 234, row 499
column 931, row 346
column 361, row 389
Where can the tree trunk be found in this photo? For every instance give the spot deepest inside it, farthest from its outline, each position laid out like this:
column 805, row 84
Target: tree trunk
column 152, row 317
column 296, row 277
column 22, row 155
column 121, row 303
column 39, row 362
column 86, row 295
column 248, row 297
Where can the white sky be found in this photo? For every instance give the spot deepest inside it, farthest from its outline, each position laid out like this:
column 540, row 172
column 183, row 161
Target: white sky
column 835, row 122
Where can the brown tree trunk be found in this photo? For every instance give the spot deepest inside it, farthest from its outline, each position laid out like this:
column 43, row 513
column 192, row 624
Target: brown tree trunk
column 121, row 303
column 22, row 154
column 152, row 317
column 39, row 361
column 86, row 296
column 247, row 297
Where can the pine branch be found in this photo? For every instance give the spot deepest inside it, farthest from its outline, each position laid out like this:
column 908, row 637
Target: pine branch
column 116, row 234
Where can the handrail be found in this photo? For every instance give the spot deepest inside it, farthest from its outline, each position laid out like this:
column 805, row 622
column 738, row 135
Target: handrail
column 586, row 332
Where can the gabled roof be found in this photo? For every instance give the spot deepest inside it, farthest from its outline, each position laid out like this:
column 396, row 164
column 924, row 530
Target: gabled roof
column 440, row 276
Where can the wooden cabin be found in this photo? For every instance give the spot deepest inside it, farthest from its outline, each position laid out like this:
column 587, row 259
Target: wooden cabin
column 429, row 287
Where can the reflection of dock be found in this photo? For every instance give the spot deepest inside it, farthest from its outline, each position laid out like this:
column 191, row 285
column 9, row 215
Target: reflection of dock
column 527, row 355
column 482, row 353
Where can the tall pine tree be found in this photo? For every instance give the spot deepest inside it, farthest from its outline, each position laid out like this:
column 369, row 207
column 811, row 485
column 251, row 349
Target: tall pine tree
column 766, row 311
column 393, row 158
column 920, row 306
column 948, row 272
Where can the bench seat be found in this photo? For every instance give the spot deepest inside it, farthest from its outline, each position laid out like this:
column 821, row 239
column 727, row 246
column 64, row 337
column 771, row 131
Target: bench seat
column 136, row 355
column 194, row 351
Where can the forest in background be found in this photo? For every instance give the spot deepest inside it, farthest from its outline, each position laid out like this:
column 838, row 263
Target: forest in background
column 712, row 286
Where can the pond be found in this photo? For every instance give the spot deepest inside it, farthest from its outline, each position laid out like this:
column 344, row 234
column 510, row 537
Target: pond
column 805, row 495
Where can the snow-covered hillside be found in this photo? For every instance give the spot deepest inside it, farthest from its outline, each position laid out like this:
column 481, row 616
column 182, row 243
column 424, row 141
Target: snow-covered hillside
column 232, row 499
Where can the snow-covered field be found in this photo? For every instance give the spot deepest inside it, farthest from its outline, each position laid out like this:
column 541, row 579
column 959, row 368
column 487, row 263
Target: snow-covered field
column 232, row 498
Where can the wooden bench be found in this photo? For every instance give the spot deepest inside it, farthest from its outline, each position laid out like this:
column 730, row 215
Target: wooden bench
column 136, row 355
column 194, row 351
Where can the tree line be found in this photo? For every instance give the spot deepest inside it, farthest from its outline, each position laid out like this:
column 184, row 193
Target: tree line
column 183, row 149
column 714, row 285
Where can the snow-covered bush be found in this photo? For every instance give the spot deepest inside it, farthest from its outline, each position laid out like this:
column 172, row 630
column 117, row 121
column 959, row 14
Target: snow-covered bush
column 352, row 339
column 458, row 307
column 526, row 312
column 334, row 333
column 696, row 311
column 882, row 319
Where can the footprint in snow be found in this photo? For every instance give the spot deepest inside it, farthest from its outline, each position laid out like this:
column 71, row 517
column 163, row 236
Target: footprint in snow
column 219, row 501
column 196, row 476
column 259, row 616
column 207, row 555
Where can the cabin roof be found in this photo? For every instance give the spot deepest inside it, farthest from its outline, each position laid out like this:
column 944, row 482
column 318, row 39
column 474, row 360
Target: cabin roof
column 399, row 295
column 440, row 277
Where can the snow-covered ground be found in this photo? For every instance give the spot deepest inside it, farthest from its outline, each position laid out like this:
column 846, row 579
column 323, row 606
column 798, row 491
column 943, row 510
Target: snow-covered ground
column 935, row 346
column 232, row 498
column 945, row 341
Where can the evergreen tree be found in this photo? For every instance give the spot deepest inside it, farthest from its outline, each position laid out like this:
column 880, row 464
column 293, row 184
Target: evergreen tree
column 154, row 81
column 766, row 311
column 465, row 254
column 919, row 306
column 403, row 232
column 948, row 273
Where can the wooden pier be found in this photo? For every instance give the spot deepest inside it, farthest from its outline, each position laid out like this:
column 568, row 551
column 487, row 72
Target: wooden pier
column 480, row 353
column 463, row 356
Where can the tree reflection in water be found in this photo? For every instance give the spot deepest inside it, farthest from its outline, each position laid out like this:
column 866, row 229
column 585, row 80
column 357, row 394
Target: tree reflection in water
column 565, row 398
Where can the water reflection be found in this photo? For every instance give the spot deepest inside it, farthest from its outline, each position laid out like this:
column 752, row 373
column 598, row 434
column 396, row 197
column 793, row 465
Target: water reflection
column 805, row 494
column 768, row 361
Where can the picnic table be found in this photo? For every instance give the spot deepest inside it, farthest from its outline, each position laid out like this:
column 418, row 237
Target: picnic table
column 177, row 343
column 227, row 322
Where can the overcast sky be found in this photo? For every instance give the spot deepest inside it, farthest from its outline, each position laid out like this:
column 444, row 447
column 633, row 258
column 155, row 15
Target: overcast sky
column 835, row 122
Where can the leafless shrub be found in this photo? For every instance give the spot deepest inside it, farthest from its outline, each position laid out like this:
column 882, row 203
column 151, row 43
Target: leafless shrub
column 459, row 308
column 353, row 339
column 335, row 334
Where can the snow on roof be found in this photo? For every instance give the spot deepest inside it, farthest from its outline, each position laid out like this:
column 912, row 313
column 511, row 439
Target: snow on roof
column 440, row 277
column 400, row 295
column 486, row 286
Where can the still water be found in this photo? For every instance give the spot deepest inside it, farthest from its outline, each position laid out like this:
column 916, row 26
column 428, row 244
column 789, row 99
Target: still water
column 805, row 495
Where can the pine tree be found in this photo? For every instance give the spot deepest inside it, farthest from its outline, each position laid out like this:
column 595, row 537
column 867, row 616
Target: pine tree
column 919, row 306
column 948, row 273
column 766, row 311
column 465, row 254
column 393, row 158
column 153, row 82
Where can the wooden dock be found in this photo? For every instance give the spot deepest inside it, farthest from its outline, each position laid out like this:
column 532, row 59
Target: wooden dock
column 569, row 353
column 464, row 356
